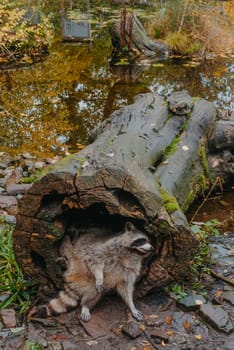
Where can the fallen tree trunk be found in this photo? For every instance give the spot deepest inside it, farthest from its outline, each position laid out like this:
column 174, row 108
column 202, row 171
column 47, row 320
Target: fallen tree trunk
column 146, row 165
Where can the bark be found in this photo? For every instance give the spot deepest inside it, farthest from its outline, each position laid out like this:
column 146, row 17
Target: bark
column 144, row 166
column 129, row 38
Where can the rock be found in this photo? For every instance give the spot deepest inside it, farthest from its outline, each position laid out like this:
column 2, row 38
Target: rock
column 3, row 165
column 192, row 301
column 154, row 321
column 228, row 296
column 160, row 334
column 3, row 297
column 15, row 189
column 180, row 102
column 10, row 219
column 8, row 317
column 68, row 345
column 182, row 321
column 8, row 203
column 229, row 343
column 28, row 155
column 39, row 165
column 217, row 317
column 131, row 329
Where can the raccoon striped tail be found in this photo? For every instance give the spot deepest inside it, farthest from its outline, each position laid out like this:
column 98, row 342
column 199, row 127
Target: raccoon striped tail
column 66, row 301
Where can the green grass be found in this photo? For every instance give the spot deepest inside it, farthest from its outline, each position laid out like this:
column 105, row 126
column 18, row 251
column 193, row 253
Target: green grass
column 15, row 290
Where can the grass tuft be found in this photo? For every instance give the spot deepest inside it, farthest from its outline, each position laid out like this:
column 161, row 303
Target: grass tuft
column 15, row 291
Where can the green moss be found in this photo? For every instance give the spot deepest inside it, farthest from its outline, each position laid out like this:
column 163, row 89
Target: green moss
column 190, row 198
column 34, row 177
column 202, row 155
column 163, row 225
column 203, row 182
column 172, row 147
column 169, row 201
column 194, row 99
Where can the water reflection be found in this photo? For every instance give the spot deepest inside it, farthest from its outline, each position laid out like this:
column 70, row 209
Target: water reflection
column 54, row 105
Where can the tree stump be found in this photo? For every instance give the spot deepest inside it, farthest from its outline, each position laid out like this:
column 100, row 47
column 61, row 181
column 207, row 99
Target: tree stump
column 130, row 39
column 146, row 165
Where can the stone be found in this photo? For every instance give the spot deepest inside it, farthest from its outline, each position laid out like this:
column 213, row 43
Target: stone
column 131, row 329
column 28, row 155
column 217, row 317
column 8, row 203
column 15, row 189
column 39, row 165
column 180, row 102
column 8, row 317
column 10, row 219
column 192, row 301
column 228, row 296
column 229, row 343
column 159, row 333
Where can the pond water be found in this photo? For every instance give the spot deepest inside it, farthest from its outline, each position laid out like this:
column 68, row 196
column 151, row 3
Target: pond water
column 51, row 107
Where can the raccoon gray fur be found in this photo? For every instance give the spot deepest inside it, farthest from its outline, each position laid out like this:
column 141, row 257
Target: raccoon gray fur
column 97, row 264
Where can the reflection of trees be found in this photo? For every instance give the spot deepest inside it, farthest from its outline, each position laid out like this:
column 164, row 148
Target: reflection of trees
column 74, row 89
column 34, row 100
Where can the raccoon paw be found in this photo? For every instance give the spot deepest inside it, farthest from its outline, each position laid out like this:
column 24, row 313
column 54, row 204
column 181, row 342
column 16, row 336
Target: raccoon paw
column 138, row 315
column 85, row 314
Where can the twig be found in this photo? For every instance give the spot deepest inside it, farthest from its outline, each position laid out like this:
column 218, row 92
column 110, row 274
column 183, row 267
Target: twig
column 221, row 277
column 217, row 181
column 183, row 15
column 149, row 340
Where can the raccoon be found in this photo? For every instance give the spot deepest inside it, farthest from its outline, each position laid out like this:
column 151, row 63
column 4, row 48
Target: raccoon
column 97, row 264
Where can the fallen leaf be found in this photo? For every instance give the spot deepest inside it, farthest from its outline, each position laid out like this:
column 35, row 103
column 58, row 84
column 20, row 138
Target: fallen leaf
column 169, row 319
column 198, row 336
column 170, row 333
column 92, row 342
column 187, row 325
column 142, row 327
column 157, row 65
column 218, row 293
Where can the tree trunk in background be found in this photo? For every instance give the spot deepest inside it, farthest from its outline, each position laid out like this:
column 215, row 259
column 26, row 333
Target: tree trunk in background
column 130, row 39
column 147, row 165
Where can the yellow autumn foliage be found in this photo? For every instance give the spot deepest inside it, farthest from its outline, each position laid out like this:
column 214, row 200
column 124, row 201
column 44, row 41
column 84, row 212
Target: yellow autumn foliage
column 20, row 38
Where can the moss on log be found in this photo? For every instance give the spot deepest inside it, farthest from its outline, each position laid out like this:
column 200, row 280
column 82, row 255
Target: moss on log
column 127, row 173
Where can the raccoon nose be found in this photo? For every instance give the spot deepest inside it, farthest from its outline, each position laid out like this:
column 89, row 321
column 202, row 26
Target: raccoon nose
column 151, row 248
column 148, row 247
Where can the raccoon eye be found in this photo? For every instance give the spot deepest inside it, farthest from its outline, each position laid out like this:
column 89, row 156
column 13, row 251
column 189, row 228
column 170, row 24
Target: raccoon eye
column 138, row 242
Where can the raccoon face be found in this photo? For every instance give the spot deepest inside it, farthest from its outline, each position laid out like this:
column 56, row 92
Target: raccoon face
column 142, row 246
column 137, row 240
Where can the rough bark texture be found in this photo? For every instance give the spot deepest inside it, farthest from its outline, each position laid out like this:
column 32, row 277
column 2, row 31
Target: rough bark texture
column 144, row 166
column 129, row 36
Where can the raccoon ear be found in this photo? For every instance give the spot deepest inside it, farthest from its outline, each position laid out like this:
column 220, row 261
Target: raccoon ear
column 129, row 226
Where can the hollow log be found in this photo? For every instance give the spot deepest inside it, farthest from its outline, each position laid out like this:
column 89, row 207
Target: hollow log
column 146, row 165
